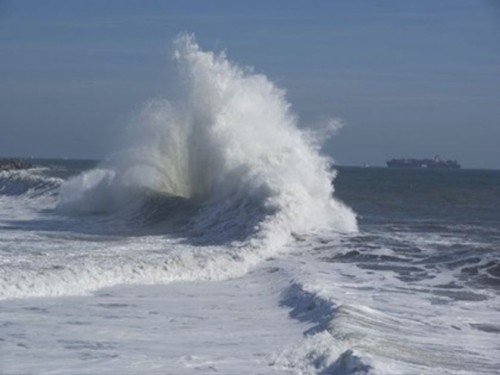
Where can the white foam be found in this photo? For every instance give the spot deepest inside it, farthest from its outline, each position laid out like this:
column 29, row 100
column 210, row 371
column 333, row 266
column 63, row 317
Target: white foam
column 393, row 326
column 230, row 137
column 230, row 327
column 229, row 143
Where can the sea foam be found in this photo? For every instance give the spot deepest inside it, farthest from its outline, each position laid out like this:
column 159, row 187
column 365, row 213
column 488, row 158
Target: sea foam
column 223, row 170
column 229, row 142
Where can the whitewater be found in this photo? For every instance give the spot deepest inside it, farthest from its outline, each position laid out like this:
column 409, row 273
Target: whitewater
column 212, row 240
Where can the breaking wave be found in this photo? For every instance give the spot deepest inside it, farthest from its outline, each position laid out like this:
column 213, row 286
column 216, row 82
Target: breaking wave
column 30, row 182
column 222, row 174
column 228, row 151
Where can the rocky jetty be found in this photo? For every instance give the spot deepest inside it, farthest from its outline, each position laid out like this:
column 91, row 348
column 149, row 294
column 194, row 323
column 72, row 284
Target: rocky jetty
column 13, row 164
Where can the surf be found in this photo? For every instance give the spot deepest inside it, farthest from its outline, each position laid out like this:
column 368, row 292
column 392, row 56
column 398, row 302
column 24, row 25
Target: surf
column 206, row 186
column 229, row 143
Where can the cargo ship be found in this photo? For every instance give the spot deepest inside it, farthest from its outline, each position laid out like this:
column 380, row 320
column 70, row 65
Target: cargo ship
column 435, row 163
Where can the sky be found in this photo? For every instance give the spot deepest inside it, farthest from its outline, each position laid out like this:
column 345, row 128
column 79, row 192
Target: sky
column 407, row 78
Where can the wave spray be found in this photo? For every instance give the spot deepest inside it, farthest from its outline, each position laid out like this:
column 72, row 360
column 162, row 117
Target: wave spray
column 206, row 187
column 230, row 143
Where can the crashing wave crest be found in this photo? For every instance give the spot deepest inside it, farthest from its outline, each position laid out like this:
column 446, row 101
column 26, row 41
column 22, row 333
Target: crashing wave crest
column 231, row 145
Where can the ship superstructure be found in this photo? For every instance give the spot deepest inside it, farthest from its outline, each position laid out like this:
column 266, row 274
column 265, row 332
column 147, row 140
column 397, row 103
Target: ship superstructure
column 436, row 163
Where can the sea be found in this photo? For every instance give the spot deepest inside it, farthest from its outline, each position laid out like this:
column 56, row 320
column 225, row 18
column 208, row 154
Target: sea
column 219, row 238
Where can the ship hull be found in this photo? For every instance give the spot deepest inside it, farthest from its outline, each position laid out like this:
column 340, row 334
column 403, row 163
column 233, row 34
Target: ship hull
column 423, row 163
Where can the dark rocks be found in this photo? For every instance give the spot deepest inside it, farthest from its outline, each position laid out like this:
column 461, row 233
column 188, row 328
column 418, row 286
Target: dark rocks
column 13, row 164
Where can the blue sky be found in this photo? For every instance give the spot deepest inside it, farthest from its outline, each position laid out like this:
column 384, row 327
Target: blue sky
column 408, row 78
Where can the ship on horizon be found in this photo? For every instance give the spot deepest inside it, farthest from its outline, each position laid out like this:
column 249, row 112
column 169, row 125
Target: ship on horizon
column 435, row 163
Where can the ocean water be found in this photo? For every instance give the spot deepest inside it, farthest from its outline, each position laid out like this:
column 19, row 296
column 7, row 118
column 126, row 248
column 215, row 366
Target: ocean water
column 218, row 239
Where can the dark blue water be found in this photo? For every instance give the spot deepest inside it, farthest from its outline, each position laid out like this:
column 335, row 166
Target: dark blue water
column 435, row 220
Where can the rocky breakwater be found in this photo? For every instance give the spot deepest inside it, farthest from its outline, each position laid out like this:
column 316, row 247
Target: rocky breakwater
column 13, row 164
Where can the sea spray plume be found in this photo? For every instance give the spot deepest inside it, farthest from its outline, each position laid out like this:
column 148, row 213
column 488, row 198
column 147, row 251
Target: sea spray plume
column 254, row 131
column 223, row 169
column 231, row 144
